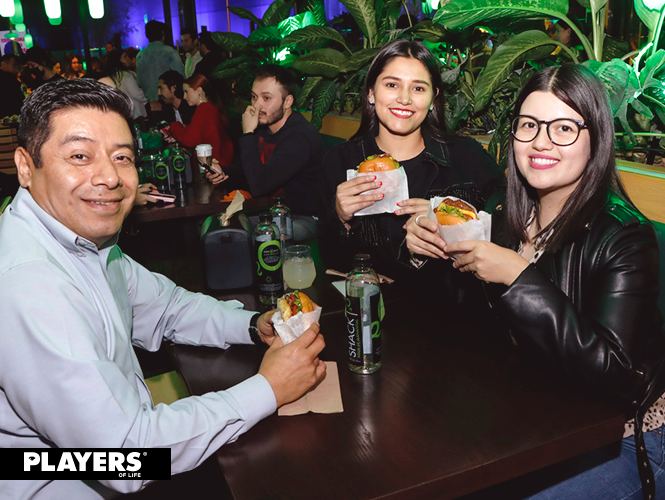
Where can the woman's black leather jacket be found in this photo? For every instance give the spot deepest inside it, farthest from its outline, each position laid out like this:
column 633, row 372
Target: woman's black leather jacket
column 589, row 310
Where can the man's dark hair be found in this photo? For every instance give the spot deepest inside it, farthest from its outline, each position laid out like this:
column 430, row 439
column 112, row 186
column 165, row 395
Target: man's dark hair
column 154, row 31
column 52, row 97
column 40, row 56
column 282, row 75
column 9, row 56
column 193, row 34
column 174, row 79
column 205, row 38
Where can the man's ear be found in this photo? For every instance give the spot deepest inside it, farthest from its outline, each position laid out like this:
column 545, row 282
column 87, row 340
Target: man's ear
column 24, row 167
column 288, row 102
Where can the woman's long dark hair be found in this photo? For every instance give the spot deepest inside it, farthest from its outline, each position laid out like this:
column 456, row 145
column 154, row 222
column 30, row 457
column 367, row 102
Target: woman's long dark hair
column 583, row 91
column 199, row 81
column 114, row 68
column 433, row 124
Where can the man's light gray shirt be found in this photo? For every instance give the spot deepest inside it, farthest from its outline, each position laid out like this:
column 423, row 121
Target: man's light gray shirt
column 69, row 377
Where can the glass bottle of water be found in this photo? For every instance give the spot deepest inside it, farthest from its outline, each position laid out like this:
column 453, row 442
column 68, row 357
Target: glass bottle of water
column 364, row 312
column 269, row 260
column 281, row 216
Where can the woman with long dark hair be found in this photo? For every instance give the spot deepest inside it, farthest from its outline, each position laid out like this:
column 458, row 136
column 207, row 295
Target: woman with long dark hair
column 403, row 112
column 118, row 75
column 572, row 272
column 209, row 124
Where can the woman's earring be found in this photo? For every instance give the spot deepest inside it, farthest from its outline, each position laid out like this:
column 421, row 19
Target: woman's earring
column 431, row 106
column 371, row 100
column 200, row 99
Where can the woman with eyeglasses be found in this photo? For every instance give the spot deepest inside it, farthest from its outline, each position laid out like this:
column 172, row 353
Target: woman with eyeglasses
column 572, row 273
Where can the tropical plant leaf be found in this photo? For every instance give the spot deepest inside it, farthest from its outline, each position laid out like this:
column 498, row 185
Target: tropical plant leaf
column 322, row 62
column 293, row 23
column 592, row 5
column 653, row 69
column 530, row 45
column 430, row 31
column 364, row 14
column 311, row 82
column 236, row 61
column 325, row 95
column 647, row 15
column 615, row 75
column 246, row 14
column 449, row 77
column 317, row 8
column 458, row 107
column 622, row 86
column 642, row 108
column 387, row 14
column 312, row 37
column 229, row 40
column 266, row 36
column 233, row 72
column 460, row 14
column 614, row 48
column 359, row 59
column 277, row 12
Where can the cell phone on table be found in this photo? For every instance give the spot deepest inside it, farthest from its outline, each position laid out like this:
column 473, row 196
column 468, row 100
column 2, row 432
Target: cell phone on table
column 165, row 197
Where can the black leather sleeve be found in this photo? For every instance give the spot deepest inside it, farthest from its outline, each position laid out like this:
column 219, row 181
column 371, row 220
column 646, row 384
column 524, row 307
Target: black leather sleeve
column 604, row 336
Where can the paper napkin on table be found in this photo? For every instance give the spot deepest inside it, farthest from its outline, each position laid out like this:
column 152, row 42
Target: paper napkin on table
column 235, row 206
column 325, row 397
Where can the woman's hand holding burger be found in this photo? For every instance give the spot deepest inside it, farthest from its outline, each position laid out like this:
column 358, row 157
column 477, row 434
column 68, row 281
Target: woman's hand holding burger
column 488, row 261
column 412, row 206
column 422, row 237
column 348, row 199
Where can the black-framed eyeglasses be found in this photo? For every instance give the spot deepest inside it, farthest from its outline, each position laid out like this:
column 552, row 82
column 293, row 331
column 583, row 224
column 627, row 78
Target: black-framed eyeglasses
column 562, row 131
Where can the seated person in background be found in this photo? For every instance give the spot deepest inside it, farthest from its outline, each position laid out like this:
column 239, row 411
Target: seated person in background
column 73, row 67
column 10, row 87
column 213, row 56
column 120, row 77
column 403, row 111
column 572, row 273
column 174, row 107
column 74, row 306
column 94, row 69
column 279, row 150
column 209, row 123
column 38, row 68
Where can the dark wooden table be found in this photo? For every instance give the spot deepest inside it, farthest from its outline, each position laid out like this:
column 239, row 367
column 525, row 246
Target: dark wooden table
column 452, row 410
column 192, row 207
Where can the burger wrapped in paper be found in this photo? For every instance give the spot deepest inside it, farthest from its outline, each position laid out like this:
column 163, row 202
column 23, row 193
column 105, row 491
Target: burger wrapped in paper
column 394, row 183
column 295, row 313
column 454, row 211
column 459, row 220
column 378, row 163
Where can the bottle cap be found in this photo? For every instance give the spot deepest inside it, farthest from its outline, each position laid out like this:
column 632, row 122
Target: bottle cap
column 362, row 259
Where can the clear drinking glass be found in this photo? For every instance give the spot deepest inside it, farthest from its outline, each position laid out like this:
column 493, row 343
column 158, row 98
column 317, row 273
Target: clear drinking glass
column 299, row 270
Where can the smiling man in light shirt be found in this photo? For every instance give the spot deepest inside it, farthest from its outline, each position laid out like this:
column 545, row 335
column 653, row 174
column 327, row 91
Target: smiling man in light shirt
column 74, row 306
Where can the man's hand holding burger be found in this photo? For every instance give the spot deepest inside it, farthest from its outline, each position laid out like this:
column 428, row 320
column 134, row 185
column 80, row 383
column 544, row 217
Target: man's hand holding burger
column 250, row 119
column 293, row 369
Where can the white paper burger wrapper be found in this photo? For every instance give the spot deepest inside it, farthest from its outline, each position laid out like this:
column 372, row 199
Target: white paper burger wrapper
column 480, row 229
column 395, row 188
column 296, row 325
